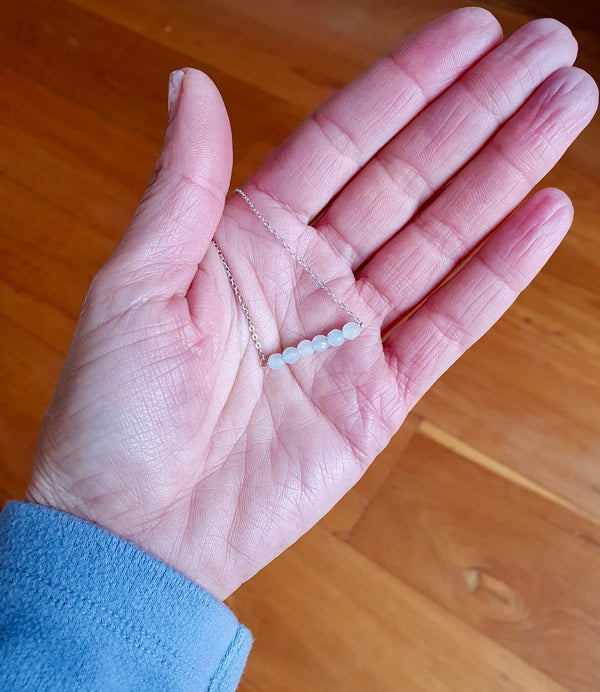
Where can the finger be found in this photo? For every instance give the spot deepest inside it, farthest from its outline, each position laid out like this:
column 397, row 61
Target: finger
column 182, row 206
column 460, row 312
column 436, row 144
column 319, row 158
column 415, row 261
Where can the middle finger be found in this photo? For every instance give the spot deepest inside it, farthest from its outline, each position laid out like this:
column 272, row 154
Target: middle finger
column 436, row 144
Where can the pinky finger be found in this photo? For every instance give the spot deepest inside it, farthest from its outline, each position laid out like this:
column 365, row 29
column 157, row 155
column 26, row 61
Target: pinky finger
column 462, row 310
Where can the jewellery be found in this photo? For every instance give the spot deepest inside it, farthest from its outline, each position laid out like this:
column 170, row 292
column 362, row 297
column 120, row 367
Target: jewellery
column 306, row 347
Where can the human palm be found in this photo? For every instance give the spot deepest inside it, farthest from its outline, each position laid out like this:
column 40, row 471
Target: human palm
column 165, row 429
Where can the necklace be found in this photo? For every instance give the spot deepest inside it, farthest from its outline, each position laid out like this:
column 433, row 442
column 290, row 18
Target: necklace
column 306, row 347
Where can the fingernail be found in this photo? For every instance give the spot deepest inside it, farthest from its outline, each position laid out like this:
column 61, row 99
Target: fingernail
column 175, row 79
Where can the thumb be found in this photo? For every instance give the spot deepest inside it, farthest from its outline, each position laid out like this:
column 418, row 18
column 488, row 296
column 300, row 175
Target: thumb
column 182, row 206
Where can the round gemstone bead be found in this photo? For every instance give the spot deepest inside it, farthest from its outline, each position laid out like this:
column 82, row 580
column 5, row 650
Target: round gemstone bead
column 335, row 337
column 305, row 348
column 350, row 330
column 320, row 343
column 291, row 355
column 275, row 361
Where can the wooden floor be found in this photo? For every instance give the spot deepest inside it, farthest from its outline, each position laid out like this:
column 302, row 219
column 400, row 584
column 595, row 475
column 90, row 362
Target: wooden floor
column 468, row 557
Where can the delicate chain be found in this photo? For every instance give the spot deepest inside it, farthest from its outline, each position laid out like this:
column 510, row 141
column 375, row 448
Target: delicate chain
column 238, row 295
column 299, row 260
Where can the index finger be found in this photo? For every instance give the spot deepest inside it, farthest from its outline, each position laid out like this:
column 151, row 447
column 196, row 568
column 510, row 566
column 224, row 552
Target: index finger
column 345, row 131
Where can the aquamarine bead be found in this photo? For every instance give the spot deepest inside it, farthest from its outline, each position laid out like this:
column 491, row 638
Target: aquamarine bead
column 305, row 348
column 320, row 343
column 350, row 330
column 335, row 337
column 291, row 355
column 275, row 361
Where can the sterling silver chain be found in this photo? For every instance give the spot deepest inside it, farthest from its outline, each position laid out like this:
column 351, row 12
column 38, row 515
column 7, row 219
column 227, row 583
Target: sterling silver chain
column 238, row 295
column 320, row 283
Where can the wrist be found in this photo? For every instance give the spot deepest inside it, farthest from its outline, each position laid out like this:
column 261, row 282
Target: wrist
column 45, row 493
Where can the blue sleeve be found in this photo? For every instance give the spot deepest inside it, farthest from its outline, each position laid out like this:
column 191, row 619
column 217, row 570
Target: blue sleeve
column 81, row 609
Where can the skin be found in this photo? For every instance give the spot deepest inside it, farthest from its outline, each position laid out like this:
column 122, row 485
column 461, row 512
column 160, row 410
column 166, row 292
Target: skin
column 165, row 430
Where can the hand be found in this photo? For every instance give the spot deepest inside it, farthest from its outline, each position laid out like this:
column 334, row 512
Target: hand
column 165, row 430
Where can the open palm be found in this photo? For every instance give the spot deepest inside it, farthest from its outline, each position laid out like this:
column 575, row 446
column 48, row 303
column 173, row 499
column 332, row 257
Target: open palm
column 165, row 429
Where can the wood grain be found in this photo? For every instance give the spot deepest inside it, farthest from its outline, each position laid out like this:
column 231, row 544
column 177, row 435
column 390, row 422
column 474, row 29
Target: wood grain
column 433, row 432
column 512, row 564
column 326, row 618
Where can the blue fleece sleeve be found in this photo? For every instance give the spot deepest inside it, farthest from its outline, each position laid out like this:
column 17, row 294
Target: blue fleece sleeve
column 81, row 609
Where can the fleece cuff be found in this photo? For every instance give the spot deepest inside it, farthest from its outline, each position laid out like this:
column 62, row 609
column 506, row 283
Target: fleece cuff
column 82, row 609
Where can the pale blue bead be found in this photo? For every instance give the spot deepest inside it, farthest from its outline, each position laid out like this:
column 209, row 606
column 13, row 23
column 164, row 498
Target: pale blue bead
column 305, row 348
column 320, row 343
column 335, row 337
column 291, row 355
column 275, row 361
column 350, row 330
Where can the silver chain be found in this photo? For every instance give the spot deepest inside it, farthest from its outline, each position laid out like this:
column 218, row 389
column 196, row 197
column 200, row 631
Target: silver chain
column 320, row 283
column 238, row 295
column 299, row 260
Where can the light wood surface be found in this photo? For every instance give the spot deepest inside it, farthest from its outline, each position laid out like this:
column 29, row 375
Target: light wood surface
column 468, row 557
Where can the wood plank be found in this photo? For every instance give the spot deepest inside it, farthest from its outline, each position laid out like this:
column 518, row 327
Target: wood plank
column 127, row 85
column 466, row 451
column 28, row 376
column 325, row 618
column 306, row 50
column 67, row 161
column 69, row 185
column 528, row 404
column 295, row 65
column 520, row 569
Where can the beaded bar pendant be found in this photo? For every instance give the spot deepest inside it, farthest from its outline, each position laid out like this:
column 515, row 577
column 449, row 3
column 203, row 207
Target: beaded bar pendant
column 307, row 347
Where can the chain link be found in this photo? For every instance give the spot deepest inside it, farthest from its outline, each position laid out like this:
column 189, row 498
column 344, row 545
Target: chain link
column 320, row 283
column 238, row 295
